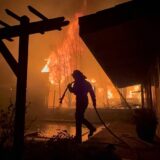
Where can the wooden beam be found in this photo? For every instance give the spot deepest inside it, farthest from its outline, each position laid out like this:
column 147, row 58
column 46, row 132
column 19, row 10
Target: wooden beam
column 8, row 57
column 34, row 27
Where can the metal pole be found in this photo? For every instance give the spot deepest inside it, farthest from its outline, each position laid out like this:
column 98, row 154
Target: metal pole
column 21, row 91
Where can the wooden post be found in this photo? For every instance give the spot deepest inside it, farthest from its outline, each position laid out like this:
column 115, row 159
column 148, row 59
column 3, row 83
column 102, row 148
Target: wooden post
column 142, row 95
column 20, row 69
column 149, row 94
column 21, row 91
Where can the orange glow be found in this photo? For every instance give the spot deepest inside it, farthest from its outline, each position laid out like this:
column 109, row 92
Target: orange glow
column 45, row 69
column 93, row 80
column 137, row 87
column 109, row 94
column 100, row 90
column 130, row 94
column 134, row 91
column 68, row 57
column 64, row 60
column 61, row 63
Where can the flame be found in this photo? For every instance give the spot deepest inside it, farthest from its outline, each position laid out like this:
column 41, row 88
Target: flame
column 130, row 94
column 100, row 90
column 137, row 88
column 109, row 94
column 45, row 69
column 93, row 80
column 64, row 60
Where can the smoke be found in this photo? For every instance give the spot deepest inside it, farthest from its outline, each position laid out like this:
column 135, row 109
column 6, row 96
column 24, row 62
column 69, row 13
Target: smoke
column 40, row 46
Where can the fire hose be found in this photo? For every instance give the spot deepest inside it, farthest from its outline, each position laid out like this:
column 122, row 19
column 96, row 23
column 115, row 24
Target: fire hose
column 107, row 128
column 61, row 99
column 104, row 124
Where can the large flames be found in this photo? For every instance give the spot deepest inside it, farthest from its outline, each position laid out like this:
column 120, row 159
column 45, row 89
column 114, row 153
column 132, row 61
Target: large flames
column 65, row 59
column 61, row 63
column 68, row 57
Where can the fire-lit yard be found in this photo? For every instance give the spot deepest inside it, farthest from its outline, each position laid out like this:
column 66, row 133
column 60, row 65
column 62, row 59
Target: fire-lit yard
column 101, row 146
column 68, row 63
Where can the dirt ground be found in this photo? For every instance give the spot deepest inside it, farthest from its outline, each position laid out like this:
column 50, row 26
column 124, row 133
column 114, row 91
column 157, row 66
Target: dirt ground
column 133, row 147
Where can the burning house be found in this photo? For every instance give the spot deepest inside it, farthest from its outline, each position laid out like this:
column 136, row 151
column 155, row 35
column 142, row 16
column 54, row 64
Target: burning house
column 73, row 54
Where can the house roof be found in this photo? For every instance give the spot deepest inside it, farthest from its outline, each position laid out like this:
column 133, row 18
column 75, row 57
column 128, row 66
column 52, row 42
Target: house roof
column 124, row 40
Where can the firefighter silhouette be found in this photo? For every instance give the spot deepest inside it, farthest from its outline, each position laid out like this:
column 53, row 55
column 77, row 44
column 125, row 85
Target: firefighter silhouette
column 81, row 87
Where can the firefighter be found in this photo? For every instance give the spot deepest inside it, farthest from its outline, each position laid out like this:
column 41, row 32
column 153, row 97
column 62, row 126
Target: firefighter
column 81, row 87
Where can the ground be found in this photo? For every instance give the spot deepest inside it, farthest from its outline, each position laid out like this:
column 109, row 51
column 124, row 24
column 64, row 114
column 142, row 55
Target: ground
column 135, row 148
